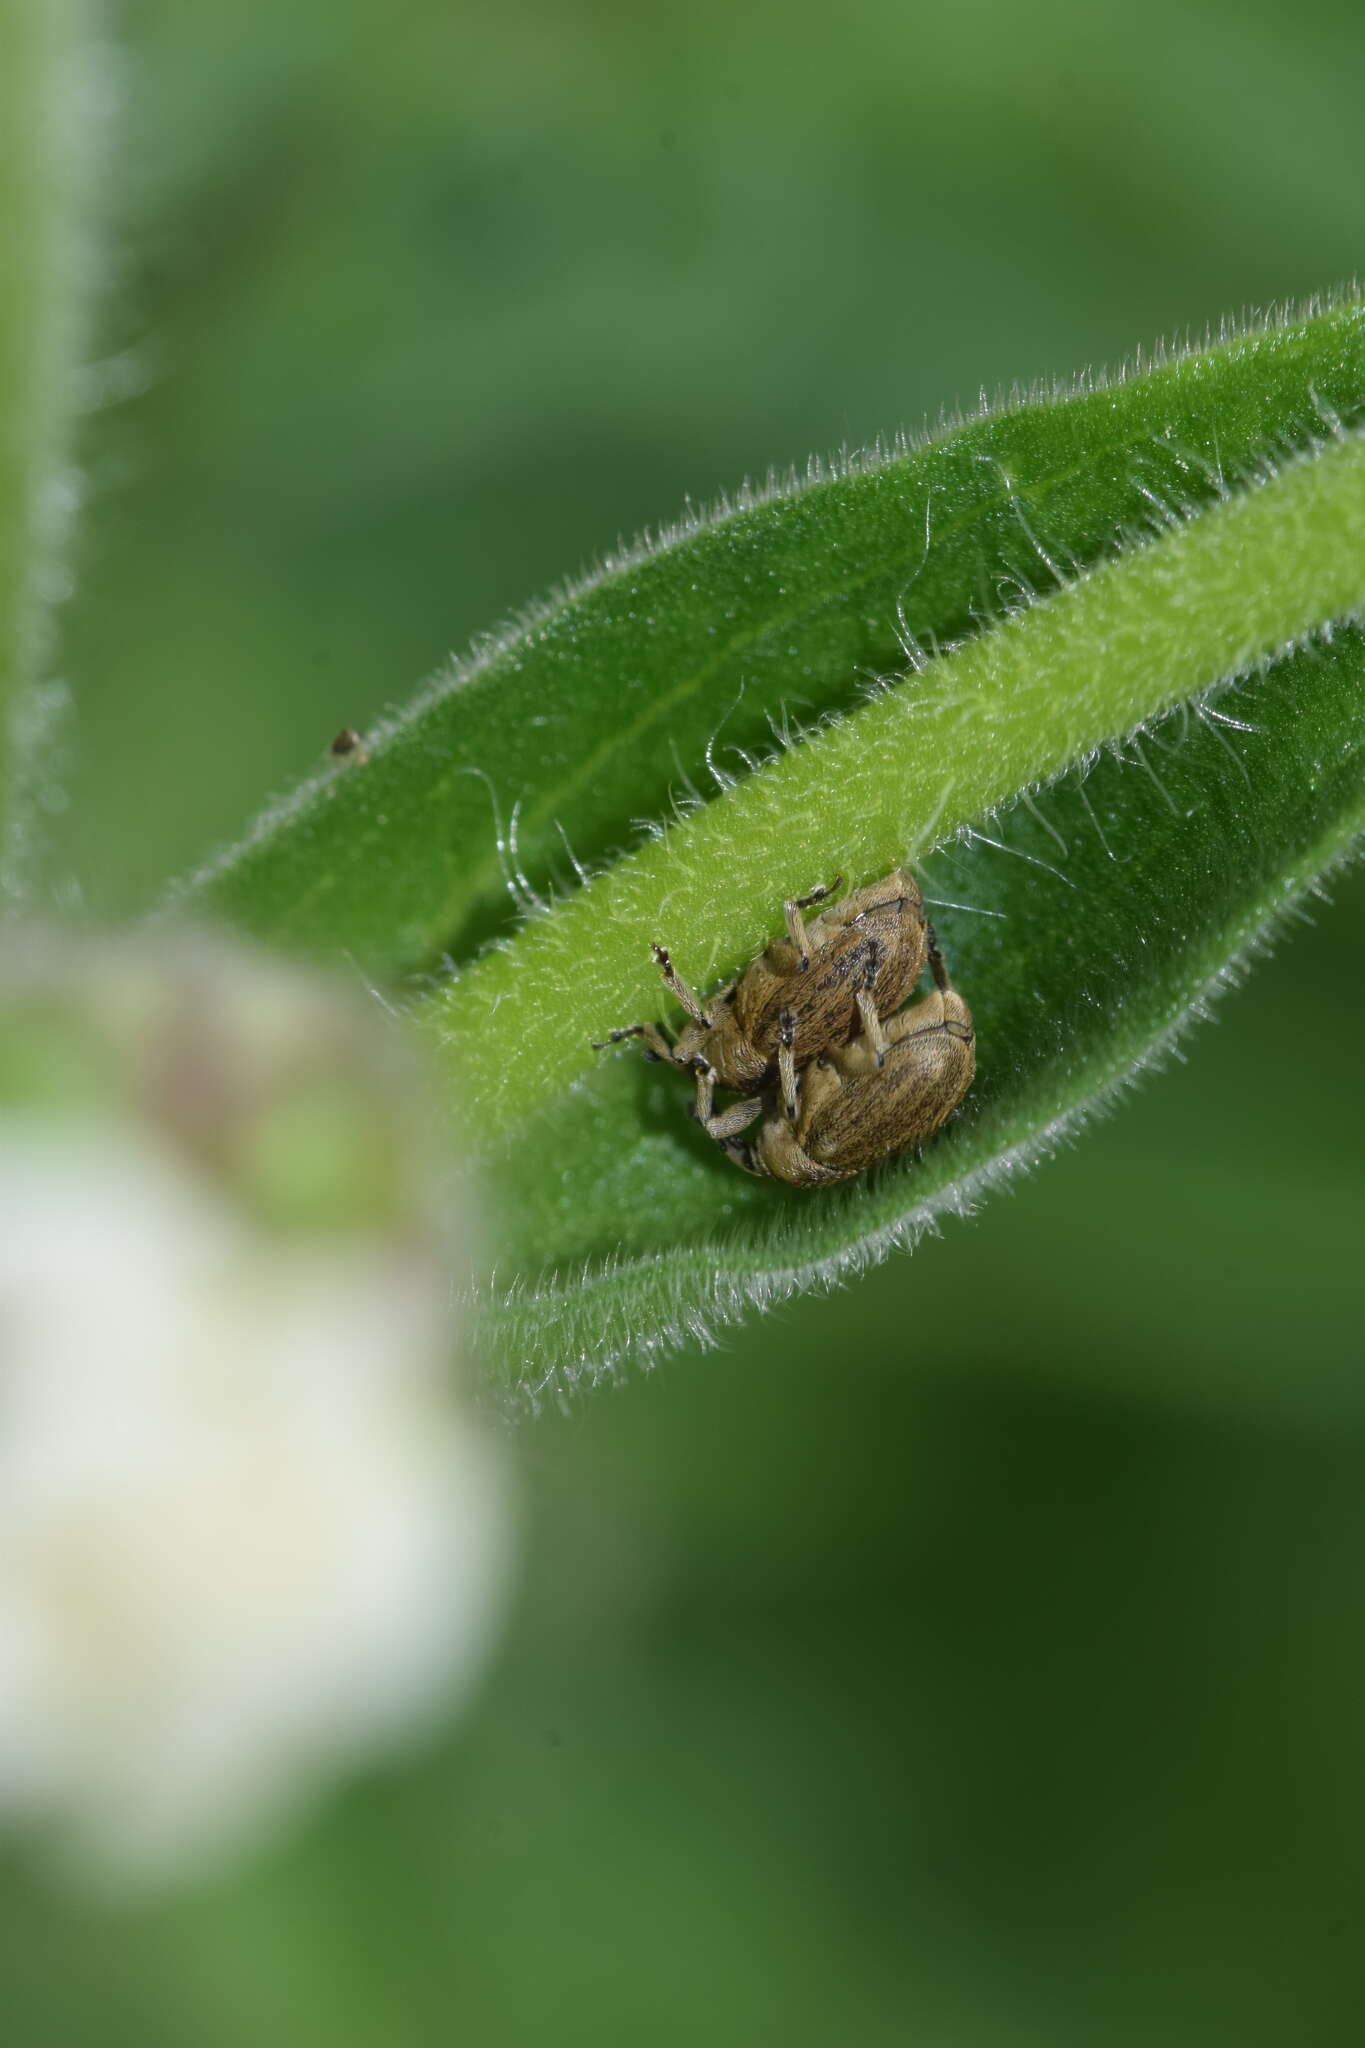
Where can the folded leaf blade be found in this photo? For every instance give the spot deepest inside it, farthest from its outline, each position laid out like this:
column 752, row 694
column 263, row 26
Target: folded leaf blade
column 1128, row 730
column 602, row 708
column 1090, row 930
column 1013, row 708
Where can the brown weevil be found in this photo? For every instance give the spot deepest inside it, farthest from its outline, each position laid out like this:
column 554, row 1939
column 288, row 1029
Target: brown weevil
column 808, row 992
column 894, row 1085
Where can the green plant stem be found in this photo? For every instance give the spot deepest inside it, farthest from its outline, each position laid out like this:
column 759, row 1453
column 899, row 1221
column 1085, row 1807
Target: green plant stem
column 41, row 143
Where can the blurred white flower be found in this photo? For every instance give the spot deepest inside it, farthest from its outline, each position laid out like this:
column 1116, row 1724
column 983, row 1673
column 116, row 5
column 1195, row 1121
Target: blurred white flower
column 248, row 1532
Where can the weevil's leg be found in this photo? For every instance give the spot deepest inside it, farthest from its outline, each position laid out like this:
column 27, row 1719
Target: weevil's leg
column 705, row 1106
column 786, row 1064
column 678, row 988
column 796, row 924
column 725, row 1130
column 735, row 1119
column 873, row 1030
column 938, row 966
column 657, row 1046
column 818, row 895
column 729, row 1122
column 744, row 1156
column 726, row 1123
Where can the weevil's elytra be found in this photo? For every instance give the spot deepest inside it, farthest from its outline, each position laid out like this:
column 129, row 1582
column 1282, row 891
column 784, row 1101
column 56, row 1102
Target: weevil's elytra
column 801, row 994
column 855, row 1109
column 893, row 1086
column 838, row 1075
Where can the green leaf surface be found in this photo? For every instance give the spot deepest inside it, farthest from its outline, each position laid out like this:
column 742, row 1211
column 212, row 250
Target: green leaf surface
column 1129, row 734
column 1002, row 714
column 1087, row 928
column 672, row 663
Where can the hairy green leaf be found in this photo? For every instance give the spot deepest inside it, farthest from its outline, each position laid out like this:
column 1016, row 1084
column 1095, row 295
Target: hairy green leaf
column 675, row 661
column 1127, row 733
column 1087, row 927
column 1013, row 708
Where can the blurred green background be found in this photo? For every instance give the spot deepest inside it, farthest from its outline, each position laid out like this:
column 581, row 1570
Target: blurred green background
column 972, row 1657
